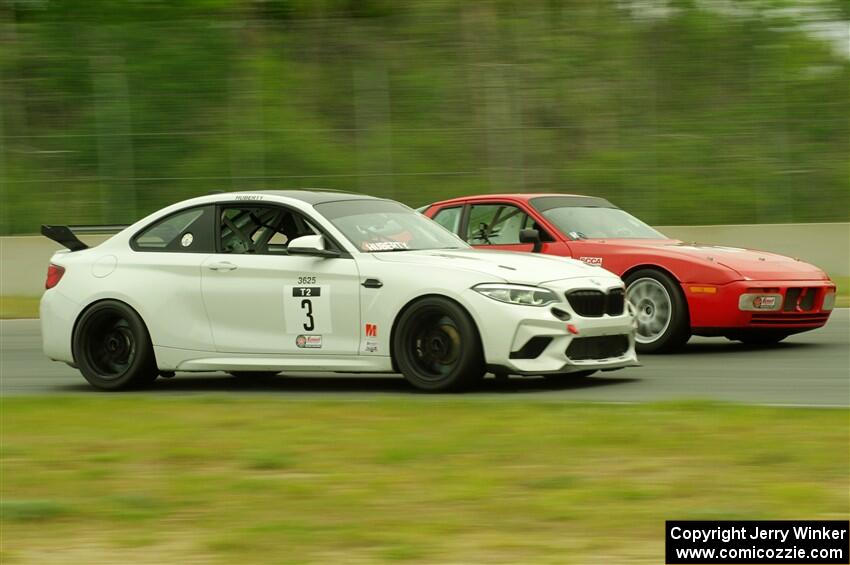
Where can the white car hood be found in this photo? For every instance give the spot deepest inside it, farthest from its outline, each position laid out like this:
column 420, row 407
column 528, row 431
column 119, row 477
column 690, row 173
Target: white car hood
column 507, row 266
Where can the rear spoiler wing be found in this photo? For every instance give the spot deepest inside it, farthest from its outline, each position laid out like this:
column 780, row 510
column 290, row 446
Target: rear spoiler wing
column 64, row 235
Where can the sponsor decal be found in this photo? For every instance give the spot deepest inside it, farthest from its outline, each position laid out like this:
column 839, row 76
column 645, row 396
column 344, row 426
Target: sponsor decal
column 371, row 346
column 384, row 245
column 248, row 197
column 309, row 341
column 371, row 330
column 187, row 239
column 594, row 261
column 764, row 301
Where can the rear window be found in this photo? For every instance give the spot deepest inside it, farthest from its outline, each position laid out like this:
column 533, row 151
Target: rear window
column 187, row 231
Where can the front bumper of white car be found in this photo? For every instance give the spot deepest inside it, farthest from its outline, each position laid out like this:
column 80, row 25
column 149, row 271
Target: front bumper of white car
column 535, row 340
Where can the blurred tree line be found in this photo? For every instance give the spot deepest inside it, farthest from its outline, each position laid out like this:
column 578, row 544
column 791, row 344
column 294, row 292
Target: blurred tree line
column 682, row 111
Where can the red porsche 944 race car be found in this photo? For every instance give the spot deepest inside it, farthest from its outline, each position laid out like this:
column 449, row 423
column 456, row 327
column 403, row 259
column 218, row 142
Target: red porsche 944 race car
column 678, row 289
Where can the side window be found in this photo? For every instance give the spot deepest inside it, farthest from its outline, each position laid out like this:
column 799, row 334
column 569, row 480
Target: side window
column 496, row 224
column 264, row 230
column 449, row 218
column 188, row 231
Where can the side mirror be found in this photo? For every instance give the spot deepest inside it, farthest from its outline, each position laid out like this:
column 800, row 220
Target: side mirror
column 531, row 236
column 310, row 245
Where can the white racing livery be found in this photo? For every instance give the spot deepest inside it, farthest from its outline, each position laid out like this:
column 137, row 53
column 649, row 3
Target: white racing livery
column 257, row 283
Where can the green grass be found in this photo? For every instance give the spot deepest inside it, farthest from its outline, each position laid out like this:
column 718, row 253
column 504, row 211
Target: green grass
column 249, row 480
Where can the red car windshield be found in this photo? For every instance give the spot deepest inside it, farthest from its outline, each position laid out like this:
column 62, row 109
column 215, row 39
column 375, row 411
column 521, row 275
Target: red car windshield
column 595, row 222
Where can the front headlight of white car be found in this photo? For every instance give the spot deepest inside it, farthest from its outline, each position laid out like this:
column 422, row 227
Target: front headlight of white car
column 517, row 294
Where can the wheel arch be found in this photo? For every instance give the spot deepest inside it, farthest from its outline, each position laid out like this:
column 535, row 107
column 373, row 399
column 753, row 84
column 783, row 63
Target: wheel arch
column 416, row 299
column 654, row 267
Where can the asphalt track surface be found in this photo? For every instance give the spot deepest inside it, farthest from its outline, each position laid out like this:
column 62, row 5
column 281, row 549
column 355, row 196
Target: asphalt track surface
column 809, row 369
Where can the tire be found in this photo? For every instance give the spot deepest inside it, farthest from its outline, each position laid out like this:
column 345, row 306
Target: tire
column 256, row 375
column 112, row 347
column 661, row 311
column 437, row 347
column 759, row 338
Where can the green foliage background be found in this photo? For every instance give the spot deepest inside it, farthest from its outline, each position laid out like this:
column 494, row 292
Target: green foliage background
column 682, row 111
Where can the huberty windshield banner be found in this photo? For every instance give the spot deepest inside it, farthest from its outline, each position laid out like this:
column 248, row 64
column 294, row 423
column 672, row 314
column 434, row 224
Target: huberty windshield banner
column 751, row 541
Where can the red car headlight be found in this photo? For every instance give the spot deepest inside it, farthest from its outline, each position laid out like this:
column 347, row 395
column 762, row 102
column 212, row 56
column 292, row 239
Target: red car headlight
column 828, row 301
column 760, row 302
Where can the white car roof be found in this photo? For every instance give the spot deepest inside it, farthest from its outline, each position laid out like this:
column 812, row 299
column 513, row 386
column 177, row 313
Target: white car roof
column 309, row 196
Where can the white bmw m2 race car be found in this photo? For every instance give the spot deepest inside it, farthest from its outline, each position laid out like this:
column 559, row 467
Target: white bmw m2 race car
column 263, row 282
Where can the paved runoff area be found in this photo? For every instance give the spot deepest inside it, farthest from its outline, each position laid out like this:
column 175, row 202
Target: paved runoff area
column 809, row 369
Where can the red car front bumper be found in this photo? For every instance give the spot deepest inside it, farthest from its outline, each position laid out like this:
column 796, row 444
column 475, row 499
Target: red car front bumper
column 715, row 310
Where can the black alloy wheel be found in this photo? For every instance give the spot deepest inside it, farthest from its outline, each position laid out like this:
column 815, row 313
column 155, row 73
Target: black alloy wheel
column 437, row 347
column 112, row 347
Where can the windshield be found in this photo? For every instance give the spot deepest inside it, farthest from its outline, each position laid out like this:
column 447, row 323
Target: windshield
column 376, row 226
column 582, row 222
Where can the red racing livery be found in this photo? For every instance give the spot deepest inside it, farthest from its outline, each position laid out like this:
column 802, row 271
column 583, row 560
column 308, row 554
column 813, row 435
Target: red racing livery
column 677, row 289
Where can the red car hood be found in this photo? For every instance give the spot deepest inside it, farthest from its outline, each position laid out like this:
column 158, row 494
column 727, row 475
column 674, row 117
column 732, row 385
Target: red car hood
column 752, row 264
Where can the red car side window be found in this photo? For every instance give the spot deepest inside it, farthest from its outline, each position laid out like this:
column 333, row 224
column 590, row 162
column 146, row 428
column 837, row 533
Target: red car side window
column 499, row 224
column 449, row 218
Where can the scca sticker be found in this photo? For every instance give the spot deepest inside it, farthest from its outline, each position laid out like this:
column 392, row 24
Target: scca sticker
column 594, row 261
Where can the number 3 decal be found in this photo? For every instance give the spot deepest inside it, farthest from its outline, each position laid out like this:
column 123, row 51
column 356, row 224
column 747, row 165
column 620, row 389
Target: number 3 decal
column 307, row 309
column 307, row 305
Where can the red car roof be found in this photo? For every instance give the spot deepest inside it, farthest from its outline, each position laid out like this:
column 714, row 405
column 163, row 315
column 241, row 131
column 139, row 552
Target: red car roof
column 508, row 196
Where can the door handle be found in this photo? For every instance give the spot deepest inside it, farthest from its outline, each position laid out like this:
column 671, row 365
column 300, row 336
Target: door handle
column 221, row 266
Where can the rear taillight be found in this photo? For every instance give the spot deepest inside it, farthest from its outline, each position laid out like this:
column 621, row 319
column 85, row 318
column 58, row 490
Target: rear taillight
column 54, row 275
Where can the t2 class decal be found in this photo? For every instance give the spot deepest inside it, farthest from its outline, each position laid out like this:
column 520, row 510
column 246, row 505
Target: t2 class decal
column 306, row 291
column 307, row 309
